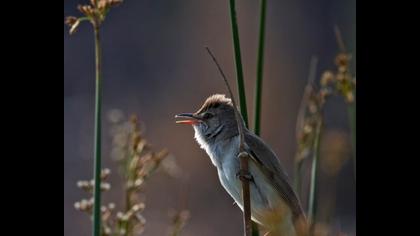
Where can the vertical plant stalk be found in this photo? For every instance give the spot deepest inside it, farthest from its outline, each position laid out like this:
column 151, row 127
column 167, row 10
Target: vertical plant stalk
column 97, row 137
column 258, row 85
column 95, row 12
column 298, row 177
column 238, row 62
column 128, row 206
column 351, row 108
column 260, row 69
column 314, row 173
column 243, row 156
column 300, row 121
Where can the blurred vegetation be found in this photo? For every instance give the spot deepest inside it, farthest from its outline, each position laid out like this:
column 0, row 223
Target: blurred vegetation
column 137, row 162
column 310, row 127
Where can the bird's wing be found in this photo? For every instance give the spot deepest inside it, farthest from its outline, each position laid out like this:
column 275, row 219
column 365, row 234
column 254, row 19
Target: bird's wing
column 272, row 169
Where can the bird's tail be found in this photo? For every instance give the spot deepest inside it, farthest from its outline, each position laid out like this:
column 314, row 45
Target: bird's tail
column 299, row 227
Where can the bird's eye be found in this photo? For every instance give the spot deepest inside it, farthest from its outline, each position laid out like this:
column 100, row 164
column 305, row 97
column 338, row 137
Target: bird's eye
column 207, row 115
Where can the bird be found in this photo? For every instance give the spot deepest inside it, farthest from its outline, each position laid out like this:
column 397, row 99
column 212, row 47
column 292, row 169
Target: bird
column 274, row 203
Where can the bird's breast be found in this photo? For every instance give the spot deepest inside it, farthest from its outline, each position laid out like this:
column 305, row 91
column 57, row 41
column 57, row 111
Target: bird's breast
column 266, row 203
column 267, row 207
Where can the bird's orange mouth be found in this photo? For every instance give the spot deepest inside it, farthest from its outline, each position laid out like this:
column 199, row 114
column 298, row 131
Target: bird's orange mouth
column 191, row 119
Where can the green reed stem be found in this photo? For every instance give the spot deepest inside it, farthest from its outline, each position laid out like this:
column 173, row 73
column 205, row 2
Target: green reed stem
column 97, row 138
column 258, row 85
column 260, row 69
column 314, row 174
column 298, row 179
column 238, row 62
column 242, row 101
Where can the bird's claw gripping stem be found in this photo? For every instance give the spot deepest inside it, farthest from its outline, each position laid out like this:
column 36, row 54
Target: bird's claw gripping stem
column 244, row 175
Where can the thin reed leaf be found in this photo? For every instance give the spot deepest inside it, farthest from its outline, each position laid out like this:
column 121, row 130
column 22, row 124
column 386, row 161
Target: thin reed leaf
column 259, row 83
column 238, row 62
column 312, row 202
column 97, row 138
column 300, row 121
column 260, row 69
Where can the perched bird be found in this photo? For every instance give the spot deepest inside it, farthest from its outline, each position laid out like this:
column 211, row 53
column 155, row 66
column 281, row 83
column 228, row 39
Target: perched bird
column 274, row 204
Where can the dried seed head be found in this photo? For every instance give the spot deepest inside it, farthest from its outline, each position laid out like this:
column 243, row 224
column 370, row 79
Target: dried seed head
column 105, row 186
column 93, row 2
column 140, row 218
column 105, row 173
column 138, row 182
column 111, row 206
column 120, row 215
column 134, row 120
column 349, row 97
column 342, row 69
column 327, row 78
column 70, row 20
column 313, row 108
column 84, row 185
column 136, row 143
column 138, row 207
column 126, row 217
column 342, row 59
column 102, row 5
column 83, row 205
column 107, row 230
column 162, row 154
column 74, row 25
column 87, row 10
column 77, row 205
column 141, row 145
column 307, row 129
column 105, row 217
column 113, row 3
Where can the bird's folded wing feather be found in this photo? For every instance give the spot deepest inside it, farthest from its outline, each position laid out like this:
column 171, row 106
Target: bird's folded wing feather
column 272, row 169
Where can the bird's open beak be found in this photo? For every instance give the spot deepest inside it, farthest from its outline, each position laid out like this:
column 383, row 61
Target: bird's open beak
column 191, row 119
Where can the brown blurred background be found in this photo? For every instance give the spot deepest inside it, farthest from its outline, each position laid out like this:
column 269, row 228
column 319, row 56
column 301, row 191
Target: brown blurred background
column 155, row 65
